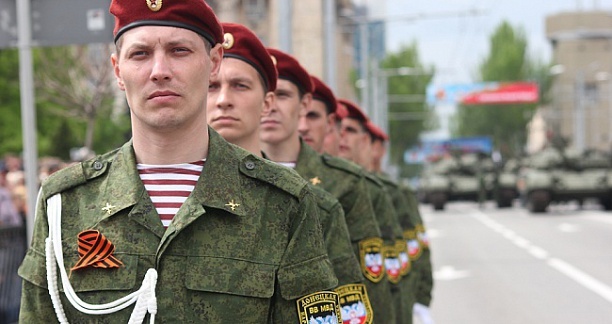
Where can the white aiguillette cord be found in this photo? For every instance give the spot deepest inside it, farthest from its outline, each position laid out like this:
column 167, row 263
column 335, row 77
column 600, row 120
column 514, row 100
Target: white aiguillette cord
column 144, row 297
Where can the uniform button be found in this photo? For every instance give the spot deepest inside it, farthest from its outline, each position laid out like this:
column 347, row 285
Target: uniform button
column 97, row 165
column 250, row 165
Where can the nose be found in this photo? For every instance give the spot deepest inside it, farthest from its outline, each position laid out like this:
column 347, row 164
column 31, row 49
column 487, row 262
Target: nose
column 223, row 98
column 303, row 125
column 161, row 70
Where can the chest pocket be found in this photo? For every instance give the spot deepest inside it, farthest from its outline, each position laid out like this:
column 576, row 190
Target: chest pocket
column 230, row 276
column 100, row 279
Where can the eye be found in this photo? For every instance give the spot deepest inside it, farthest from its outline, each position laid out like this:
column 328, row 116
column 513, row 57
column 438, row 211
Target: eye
column 214, row 86
column 138, row 54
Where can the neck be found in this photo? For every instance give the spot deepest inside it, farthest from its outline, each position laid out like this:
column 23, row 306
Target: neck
column 250, row 144
column 177, row 146
column 285, row 151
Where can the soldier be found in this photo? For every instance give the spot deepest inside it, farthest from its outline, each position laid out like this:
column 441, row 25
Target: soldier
column 355, row 145
column 281, row 141
column 213, row 233
column 238, row 97
column 421, row 278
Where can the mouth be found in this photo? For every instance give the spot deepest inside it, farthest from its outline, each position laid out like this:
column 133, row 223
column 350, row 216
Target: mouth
column 269, row 122
column 162, row 94
column 224, row 118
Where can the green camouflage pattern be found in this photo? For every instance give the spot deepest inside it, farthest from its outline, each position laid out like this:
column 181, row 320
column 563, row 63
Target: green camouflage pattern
column 391, row 232
column 425, row 269
column 337, row 238
column 214, row 264
column 346, row 181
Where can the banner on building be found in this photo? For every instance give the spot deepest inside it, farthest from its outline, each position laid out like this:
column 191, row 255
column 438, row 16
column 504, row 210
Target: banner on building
column 485, row 93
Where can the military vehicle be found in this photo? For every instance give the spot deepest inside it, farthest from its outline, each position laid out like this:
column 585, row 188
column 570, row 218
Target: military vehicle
column 505, row 188
column 467, row 176
column 560, row 174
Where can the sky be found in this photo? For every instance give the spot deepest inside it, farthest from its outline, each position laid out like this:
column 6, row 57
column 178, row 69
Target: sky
column 456, row 42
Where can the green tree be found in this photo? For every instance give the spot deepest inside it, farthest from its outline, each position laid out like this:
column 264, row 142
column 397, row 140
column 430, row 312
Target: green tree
column 10, row 123
column 409, row 114
column 507, row 62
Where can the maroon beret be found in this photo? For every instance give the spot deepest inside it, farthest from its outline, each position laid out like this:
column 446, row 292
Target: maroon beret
column 241, row 43
column 353, row 111
column 376, row 132
column 341, row 111
column 290, row 69
column 323, row 93
column 195, row 15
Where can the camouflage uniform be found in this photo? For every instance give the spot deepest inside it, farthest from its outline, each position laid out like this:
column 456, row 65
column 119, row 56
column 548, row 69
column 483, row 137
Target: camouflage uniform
column 407, row 221
column 425, row 270
column 345, row 181
column 246, row 262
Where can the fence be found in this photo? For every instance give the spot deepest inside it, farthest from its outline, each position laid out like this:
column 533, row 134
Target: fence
column 12, row 251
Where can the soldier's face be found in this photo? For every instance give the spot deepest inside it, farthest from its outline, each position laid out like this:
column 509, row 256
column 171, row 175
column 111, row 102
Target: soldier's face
column 315, row 124
column 237, row 101
column 354, row 141
column 282, row 121
column 164, row 72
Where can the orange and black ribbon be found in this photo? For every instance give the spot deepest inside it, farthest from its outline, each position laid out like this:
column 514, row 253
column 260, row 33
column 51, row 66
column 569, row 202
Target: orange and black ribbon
column 95, row 250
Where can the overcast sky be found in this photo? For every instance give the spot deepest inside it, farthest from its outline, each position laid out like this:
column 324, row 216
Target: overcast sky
column 456, row 43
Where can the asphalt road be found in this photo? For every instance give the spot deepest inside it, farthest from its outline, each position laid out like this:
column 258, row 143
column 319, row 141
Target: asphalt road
column 507, row 266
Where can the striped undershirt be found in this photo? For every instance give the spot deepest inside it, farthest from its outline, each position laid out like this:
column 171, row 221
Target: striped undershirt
column 170, row 185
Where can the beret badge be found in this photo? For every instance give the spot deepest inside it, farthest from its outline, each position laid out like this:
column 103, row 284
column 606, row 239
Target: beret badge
column 154, row 5
column 228, row 41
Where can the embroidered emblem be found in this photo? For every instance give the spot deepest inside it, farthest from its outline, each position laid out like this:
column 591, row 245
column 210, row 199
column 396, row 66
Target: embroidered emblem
column 108, row 208
column 95, row 250
column 422, row 236
column 154, row 5
column 371, row 259
column 392, row 263
column 414, row 247
column 232, row 205
column 228, row 41
column 355, row 304
column 315, row 181
column 319, row 308
column 402, row 248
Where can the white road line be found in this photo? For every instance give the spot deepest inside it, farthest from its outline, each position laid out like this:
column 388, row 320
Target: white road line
column 565, row 268
column 582, row 278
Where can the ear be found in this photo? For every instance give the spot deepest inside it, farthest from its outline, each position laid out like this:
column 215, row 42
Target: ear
column 117, row 71
column 216, row 57
column 268, row 103
column 331, row 122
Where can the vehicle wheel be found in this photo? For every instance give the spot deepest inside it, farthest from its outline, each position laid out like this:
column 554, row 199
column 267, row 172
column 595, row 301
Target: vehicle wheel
column 505, row 198
column 437, row 200
column 538, row 201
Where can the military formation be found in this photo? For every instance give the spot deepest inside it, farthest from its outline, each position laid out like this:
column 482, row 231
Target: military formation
column 248, row 193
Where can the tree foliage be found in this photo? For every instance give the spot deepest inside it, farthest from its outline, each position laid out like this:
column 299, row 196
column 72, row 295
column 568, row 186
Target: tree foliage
column 409, row 115
column 507, row 62
column 75, row 101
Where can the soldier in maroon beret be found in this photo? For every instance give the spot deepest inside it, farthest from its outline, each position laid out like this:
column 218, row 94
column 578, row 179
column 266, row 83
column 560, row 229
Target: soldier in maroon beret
column 243, row 91
column 178, row 224
column 355, row 142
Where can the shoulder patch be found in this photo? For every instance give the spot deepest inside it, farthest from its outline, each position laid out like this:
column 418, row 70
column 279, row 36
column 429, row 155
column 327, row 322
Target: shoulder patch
column 342, row 164
column 277, row 175
column 371, row 258
column 355, row 304
column 319, row 308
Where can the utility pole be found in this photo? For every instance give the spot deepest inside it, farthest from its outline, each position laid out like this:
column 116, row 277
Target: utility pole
column 285, row 25
column 329, row 13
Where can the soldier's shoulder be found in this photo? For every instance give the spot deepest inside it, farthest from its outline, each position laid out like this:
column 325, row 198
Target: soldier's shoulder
column 342, row 165
column 372, row 178
column 77, row 174
column 325, row 200
column 273, row 174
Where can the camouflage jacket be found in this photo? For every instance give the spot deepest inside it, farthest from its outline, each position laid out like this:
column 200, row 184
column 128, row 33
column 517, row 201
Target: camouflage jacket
column 243, row 248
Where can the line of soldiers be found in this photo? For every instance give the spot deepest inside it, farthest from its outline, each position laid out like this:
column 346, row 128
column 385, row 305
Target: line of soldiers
column 296, row 222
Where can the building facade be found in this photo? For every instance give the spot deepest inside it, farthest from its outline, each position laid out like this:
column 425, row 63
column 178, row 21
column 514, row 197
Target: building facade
column 581, row 106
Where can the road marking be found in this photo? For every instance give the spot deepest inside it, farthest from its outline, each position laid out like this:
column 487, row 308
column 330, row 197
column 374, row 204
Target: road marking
column 565, row 268
column 567, row 228
column 450, row 273
column 582, row 278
